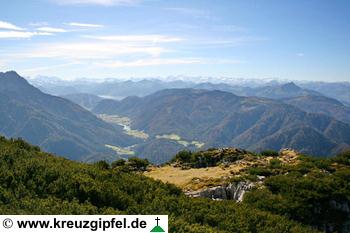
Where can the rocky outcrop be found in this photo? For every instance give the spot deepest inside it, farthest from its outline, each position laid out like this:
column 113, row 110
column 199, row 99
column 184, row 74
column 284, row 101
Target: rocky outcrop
column 233, row 191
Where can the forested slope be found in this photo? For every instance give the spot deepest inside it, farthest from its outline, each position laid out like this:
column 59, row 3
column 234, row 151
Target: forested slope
column 34, row 182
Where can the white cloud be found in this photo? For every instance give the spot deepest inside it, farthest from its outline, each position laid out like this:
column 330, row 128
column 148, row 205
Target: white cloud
column 22, row 34
column 9, row 26
column 164, row 61
column 95, row 48
column 300, row 54
column 51, row 29
column 45, row 68
column 98, row 2
column 86, row 51
column 13, row 31
column 138, row 38
column 148, row 62
column 88, row 25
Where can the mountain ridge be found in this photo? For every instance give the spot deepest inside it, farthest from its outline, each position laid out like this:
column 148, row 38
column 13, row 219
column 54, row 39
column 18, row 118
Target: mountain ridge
column 223, row 119
column 323, row 105
column 52, row 122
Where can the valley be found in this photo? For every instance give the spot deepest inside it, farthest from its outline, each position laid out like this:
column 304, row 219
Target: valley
column 175, row 116
column 125, row 122
column 218, row 118
column 161, row 124
column 202, row 146
column 121, row 151
column 55, row 124
column 180, row 140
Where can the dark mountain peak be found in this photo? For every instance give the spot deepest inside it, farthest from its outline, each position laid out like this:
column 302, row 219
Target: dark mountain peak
column 285, row 91
column 10, row 73
column 13, row 75
column 54, row 123
column 11, row 81
column 291, row 86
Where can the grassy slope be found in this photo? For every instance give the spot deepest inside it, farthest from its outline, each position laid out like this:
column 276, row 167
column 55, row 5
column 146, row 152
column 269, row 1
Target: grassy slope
column 313, row 191
column 33, row 182
column 200, row 178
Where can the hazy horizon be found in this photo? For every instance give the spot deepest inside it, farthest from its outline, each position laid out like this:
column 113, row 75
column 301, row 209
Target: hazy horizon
column 184, row 78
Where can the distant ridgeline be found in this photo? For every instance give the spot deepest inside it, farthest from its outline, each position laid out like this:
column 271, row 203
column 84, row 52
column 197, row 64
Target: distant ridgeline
column 54, row 123
column 157, row 126
column 297, row 192
column 176, row 119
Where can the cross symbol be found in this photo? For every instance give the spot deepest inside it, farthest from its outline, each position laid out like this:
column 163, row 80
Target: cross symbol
column 157, row 219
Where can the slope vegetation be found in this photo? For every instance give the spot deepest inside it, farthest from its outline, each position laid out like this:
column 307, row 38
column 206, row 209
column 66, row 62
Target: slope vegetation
column 33, row 182
column 322, row 105
column 313, row 191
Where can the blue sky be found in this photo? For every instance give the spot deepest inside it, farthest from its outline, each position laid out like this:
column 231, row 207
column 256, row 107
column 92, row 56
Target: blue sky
column 292, row 39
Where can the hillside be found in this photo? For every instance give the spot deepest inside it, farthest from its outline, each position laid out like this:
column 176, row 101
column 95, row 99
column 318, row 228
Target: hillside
column 322, row 105
column 53, row 123
column 309, row 190
column 339, row 91
column 34, row 182
column 85, row 100
column 288, row 90
column 220, row 119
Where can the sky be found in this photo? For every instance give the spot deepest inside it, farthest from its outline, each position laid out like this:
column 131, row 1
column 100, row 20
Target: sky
column 291, row 39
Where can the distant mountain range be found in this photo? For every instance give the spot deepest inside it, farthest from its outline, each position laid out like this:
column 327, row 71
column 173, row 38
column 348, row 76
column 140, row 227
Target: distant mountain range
column 322, row 105
column 158, row 125
column 306, row 99
column 54, row 123
column 339, row 91
column 222, row 119
column 117, row 89
column 283, row 91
